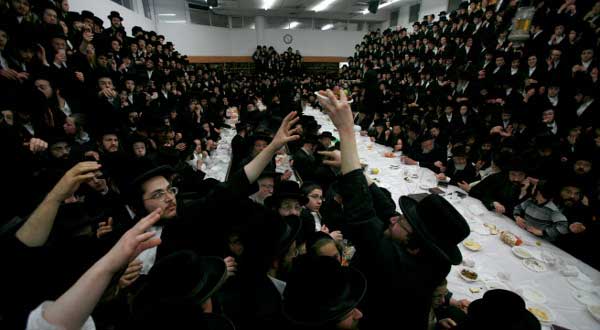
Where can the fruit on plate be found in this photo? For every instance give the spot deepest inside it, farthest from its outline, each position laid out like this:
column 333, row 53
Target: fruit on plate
column 375, row 171
column 389, row 154
column 472, row 245
column 541, row 315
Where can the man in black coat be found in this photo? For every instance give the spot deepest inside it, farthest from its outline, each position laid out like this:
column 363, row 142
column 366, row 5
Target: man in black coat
column 305, row 162
column 416, row 254
column 430, row 155
column 239, row 145
column 459, row 169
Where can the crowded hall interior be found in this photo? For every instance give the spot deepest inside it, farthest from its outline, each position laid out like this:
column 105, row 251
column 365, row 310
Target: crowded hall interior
column 300, row 164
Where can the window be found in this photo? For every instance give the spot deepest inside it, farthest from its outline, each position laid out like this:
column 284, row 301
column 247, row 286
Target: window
column 394, row 17
column 219, row 20
column 237, row 22
column 124, row 3
column 413, row 13
column 272, row 22
column 146, row 5
column 199, row 17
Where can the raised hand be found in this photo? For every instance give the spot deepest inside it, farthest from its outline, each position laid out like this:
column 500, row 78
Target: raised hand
column 285, row 133
column 71, row 181
column 231, row 266
column 104, row 228
column 36, row 145
column 131, row 274
column 132, row 243
column 338, row 110
column 334, row 158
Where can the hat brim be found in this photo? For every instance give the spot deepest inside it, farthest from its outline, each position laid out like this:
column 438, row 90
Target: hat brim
column 274, row 199
column 295, row 225
column 358, row 288
column 164, row 170
column 409, row 210
column 217, row 274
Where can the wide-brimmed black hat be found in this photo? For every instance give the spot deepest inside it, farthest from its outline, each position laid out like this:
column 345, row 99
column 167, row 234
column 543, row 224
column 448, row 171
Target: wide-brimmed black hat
column 115, row 14
column 142, row 169
column 438, row 223
column 180, row 279
column 260, row 137
column 286, row 190
column 514, row 314
column 87, row 14
column 326, row 134
column 320, row 291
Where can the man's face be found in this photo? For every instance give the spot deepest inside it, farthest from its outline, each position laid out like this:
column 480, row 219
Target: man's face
column 582, row 167
column 98, row 182
column 157, row 193
column 50, row 17
column 265, row 187
column 499, row 61
column 427, row 146
column 21, row 7
column 129, row 85
column 3, row 39
column 289, row 207
column 532, row 61
column 139, row 149
column 399, row 229
column 102, row 61
column 44, row 86
column 149, row 64
column 548, row 116
column 516, row 177
column 110, row 143
column 259, row 146
column 555, row 55
column 460, row 162
column 559, row 30
column 104, row 83
column 506, row 116
column 115, row 22
column 315, row 200
column 553, row 91
column 115, row 45
column 439, row 296
column 59, row 43
column 570, row 195
column 60, row 150
column 586, row 55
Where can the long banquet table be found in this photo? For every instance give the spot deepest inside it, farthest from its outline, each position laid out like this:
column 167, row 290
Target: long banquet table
column 497, row 266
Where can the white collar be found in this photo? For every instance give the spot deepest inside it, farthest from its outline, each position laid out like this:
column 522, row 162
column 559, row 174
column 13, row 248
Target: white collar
column 279, row 284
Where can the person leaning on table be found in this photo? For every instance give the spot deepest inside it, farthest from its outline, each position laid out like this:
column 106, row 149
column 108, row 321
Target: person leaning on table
column 401, row 256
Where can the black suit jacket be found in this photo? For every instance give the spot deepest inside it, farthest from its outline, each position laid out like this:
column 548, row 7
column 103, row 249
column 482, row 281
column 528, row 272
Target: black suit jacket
column 305, row 165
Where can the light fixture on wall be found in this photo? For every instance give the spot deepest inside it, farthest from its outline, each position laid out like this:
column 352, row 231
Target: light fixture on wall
column 167, row 14
column 175, row 21
column 268, row 4
column 323, row 5
column 327, row 27
column 383, row 5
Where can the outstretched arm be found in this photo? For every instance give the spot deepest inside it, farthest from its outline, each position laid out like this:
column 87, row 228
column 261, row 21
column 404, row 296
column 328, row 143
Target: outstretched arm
column 36, row 229
column 284, row 135
column 73, row 308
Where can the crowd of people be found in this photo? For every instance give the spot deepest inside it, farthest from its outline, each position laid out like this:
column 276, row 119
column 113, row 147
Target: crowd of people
column 268, row 60
column 109, row 222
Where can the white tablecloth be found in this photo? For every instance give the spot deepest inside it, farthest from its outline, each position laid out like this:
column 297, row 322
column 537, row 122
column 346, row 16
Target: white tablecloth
column 220, row 159
column 495, row 262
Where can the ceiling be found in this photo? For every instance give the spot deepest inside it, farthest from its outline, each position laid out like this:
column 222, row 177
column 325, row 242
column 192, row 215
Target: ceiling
column 339, row 9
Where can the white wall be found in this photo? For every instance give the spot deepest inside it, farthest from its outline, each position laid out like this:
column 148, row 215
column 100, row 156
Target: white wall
column 432, row 7
column 102, row 9
column 201, row 40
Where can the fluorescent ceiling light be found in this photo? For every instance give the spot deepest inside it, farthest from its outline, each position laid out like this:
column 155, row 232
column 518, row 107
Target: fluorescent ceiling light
column 327, row 27
column 292, row 25
column 322, row 5
column 253, row 26
column 167, row 14
column 179, row 21
column 268, row 4
column 383, row 5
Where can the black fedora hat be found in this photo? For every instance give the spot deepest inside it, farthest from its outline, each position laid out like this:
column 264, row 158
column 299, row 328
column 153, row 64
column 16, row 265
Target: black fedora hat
column 514, row 314
column 143, row 169
column 286, row 190
column 326, row 134
column 260, row 137
column 320, row 291
column 115, row 14
column 180, row 279
column 438, row 223
column 87, row 14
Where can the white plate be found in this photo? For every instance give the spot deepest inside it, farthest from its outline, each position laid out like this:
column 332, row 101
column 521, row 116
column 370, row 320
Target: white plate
column 471, row 244
column 595, row 311
column 522, row 252
column 586, row 298
column 532, row 294
column 535, row 265
column 477, row 209
column 460, row 269
column 549, row 316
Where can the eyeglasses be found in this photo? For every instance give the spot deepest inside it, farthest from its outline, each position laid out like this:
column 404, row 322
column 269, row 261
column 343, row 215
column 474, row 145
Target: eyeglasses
column 291, row 207
column 160, row 194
